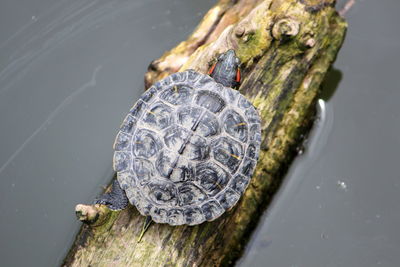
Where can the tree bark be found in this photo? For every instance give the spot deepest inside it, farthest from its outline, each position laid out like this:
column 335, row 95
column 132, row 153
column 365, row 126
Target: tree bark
column 286, row 48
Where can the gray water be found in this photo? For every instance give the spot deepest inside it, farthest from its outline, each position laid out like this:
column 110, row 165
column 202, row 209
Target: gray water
column 69, row 71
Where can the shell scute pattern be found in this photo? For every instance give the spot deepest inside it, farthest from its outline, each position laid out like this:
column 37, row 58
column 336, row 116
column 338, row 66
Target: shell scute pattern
column 162, row 193
column 211, row 177
column 122, row 161
column 212, row 209
column 244, row 103
column 149, row 94
column 252, row 115
column 145, row 143
column 157, row 86
column 175, row 137
column 190, row 194
column 193, row 215
column 187, row 149
column 228, row 152
column 197, row 149
column 210, row 100
column 138, row 108
column 252, row 151
column 179, row 77
column 255, row 133
column 125, row 180
column 239, row 183
column 164, row 163
column 192, row 75
column 128, row 125
column 158, row 214
column 177, row 94
column 231, row 96
column 143, row 170
column 158, row 116
column 204, row 82
column 235, row 125
column 175, row 216
column 228, row 199
column 187, row 116
column 122, row 142
column 248, row 167
column 208, row 125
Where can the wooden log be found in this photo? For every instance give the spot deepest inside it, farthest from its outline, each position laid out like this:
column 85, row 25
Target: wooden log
column 286, row 48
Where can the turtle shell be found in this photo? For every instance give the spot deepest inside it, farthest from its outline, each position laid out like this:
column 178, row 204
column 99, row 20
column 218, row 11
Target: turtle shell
column 187, row 150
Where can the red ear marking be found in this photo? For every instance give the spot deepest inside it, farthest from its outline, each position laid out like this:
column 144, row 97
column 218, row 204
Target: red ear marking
column 212, row 69
column 238, row 75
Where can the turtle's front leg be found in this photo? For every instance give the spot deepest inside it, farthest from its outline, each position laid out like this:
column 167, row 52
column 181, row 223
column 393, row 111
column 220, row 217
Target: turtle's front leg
column 116, row 199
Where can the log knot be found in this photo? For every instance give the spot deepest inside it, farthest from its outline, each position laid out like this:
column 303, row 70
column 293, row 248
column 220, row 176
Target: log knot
column 239, row 31
column 310, row 43
column 285, row 28
column 307, row 41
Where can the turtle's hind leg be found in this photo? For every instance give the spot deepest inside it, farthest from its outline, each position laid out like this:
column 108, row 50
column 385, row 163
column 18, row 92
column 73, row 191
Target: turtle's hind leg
column 116, row 199
column 146, row 226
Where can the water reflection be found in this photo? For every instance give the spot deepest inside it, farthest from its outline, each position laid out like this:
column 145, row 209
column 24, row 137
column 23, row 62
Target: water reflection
column 330, row 84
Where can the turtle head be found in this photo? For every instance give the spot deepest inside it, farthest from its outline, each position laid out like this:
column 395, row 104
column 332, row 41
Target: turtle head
column 226, row 70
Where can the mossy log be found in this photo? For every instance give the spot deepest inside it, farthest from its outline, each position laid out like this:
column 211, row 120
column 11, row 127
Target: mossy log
column 286, row 48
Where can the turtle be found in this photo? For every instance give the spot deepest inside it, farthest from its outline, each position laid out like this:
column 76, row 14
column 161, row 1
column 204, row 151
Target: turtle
column 187, row 149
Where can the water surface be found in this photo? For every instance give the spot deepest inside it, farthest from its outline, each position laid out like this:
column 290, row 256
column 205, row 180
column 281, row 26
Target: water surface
column 69, row 71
